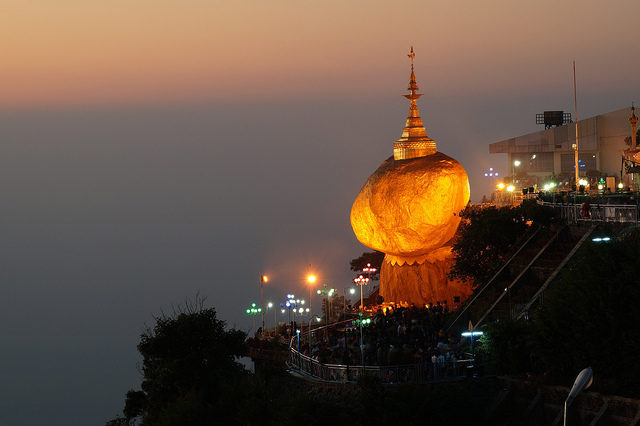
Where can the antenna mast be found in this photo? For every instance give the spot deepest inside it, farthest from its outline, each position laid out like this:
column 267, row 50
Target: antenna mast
column 575, row 146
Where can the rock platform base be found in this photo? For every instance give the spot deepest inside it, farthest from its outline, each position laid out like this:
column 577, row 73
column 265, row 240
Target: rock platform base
column 422, row 280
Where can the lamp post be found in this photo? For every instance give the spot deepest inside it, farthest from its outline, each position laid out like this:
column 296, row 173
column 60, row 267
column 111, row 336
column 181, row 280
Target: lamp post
column 311, row 279
column 472, row 333
column 253, row 310
column 516, row 163
column 269, row 306
column 298, row 335
column 289, row 303
column 507, row 290
column 583, row 381
column 328, row 294
column 369, row 270
column 352, row 291
column 491, row 173
column 360, row 281
column 282, row 311
column 263, row 279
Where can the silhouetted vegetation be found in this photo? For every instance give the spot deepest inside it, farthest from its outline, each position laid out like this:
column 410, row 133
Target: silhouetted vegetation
column 487, row 235
column 375, row 258
column 589, row 318
column 191, row 377
column 190, row 372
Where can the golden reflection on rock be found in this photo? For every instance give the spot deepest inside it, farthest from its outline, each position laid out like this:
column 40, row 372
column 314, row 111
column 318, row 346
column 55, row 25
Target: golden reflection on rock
column 410, row 207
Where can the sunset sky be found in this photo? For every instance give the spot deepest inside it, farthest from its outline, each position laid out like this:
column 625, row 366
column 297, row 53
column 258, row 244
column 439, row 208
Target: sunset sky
column 151, row 150
column 78, row 52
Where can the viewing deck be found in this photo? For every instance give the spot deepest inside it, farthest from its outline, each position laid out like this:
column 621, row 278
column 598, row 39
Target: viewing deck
column 576, row 208
column 312, row 369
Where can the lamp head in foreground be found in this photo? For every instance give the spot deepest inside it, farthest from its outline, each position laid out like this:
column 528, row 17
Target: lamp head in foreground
column 583, row 381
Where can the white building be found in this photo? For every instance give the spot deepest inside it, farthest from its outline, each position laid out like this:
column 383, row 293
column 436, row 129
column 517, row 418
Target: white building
column 548, row 154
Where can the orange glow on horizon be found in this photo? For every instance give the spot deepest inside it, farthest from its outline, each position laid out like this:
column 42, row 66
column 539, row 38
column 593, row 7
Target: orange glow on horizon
column 74, row 52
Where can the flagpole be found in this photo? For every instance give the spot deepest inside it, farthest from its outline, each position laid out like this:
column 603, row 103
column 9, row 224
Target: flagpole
column 575, row 103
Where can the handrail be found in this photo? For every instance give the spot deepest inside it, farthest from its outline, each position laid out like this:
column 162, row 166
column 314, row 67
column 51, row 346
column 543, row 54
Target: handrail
column 467, row 305
column 544, row 286
column 597, row 212
column 551, row 240
column 389, row 374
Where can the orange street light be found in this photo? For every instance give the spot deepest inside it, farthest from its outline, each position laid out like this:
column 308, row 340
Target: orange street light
column 263, row 279
column 311, row 278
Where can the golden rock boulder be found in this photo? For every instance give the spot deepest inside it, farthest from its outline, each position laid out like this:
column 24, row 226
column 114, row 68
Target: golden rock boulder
column 411, row 207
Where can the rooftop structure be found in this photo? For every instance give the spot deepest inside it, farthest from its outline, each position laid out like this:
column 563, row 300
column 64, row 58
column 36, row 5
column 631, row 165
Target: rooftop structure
column 550, row 152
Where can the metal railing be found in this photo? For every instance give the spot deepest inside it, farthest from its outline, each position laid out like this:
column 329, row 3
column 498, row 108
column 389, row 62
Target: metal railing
column 391, row 374
column 470, row 302
column 576, row 213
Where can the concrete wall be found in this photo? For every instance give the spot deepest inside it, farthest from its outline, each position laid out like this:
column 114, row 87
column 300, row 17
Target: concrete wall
column 602, row 136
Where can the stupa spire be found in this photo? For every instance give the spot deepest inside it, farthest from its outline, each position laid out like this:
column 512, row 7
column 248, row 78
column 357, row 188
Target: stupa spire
column 414, row 141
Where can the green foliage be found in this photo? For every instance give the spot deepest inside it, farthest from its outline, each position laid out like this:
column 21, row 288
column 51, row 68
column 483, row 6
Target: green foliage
column 506, row 347
column 484, row 237
column 536, row 213
column 375, row 258
column 487, row 235
column 189, row 368
column 590, row 317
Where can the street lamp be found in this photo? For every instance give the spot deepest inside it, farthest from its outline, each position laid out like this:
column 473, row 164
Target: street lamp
column 515, row 164
column 583, row 381
column 491, row 173
column 369, row 270
column 275, row 320
column 352, row 291
column 328, row 294
column 360, row 281
column 289, row 303
column 253, row 310
column 311, row 279
column 472, row 333
column 263, row 279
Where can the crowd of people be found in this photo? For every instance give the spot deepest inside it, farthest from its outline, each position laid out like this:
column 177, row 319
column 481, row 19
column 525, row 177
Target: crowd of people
column 391, row 335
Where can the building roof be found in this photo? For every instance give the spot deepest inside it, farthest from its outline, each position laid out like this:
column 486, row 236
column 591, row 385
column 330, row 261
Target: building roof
column 562, row 138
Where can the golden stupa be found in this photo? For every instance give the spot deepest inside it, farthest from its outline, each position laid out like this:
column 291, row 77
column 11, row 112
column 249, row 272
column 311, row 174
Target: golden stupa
column 409, row 209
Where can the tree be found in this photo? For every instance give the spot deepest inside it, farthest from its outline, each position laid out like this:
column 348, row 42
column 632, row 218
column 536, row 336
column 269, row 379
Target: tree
column 486, row 236
column 590, row 317
column 189, row 369
column 375, row 258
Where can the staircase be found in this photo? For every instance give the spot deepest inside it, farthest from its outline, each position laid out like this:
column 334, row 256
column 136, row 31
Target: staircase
column 521, row 281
